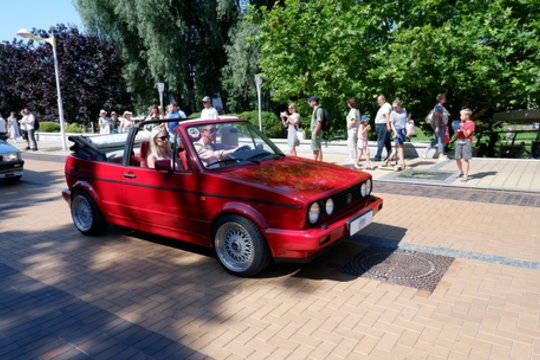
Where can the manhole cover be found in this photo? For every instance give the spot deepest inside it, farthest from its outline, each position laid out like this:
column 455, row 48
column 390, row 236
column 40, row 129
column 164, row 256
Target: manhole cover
column 403, row 267
column 425, row 175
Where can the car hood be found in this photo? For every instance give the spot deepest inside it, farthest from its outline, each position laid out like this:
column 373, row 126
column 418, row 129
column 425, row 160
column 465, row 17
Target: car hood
column 5, row 148
column 298, row 177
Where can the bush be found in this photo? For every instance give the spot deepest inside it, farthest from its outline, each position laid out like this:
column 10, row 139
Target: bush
column 195, row 115
column 74, row 128
column 271, row 124
column 49, row 126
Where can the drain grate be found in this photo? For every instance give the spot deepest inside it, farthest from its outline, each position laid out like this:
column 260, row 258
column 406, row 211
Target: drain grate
column 402, row 267
column 426, row 175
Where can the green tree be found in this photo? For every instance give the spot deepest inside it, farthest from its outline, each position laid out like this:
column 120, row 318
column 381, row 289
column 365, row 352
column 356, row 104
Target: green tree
column 319, row 48
column 88, row 70
column 483, row 54
column 179, row 42
column 242, row 65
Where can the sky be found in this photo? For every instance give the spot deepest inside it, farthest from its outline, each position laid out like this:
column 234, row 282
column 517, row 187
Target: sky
column 39, row 14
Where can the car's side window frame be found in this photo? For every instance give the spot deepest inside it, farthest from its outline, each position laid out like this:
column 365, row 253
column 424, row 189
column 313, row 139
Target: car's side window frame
column 179, row 143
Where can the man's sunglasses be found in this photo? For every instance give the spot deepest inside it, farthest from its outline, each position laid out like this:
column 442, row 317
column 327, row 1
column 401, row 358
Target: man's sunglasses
column 211, row 130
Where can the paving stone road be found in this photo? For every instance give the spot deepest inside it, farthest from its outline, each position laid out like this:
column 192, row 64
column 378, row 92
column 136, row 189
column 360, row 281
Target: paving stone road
column 128, row 295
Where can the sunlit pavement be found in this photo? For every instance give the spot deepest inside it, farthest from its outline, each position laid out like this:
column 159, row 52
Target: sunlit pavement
column 127, row 295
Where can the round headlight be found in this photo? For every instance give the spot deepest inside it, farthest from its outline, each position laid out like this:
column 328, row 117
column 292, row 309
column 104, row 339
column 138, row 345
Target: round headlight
column 329, row 206
column 314, row 213
column 363, row 189
column 368, row 187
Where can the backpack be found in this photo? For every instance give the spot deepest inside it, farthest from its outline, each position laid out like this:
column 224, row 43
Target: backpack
column 36, row 124
column 326, row 124
column 430, row 117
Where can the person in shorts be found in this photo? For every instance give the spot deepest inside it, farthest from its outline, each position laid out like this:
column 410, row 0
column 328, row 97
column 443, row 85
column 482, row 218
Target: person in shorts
column 316, row 128
column 464, row 144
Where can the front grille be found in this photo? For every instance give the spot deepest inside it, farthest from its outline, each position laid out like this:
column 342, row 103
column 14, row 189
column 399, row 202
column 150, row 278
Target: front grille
column 346, row 198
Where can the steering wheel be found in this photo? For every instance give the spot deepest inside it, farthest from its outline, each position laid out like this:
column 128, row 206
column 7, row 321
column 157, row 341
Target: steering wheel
column 242, row 148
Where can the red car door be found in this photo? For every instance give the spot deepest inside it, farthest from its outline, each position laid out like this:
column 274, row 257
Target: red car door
column 162, row 202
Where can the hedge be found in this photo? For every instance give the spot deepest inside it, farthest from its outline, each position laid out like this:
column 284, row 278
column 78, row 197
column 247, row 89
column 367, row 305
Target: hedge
column 271, row 124
column 49, row 126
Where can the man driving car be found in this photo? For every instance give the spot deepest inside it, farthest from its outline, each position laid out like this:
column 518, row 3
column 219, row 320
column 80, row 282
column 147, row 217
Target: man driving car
column 208, row 150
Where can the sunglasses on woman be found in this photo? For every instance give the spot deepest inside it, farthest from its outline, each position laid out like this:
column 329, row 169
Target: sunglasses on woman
column 163, row 138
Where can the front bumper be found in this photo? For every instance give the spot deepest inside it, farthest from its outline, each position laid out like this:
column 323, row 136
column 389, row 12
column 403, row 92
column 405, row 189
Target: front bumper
column 11, row 169
column 303, row 245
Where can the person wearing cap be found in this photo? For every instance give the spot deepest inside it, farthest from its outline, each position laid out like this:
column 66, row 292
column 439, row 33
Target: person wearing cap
column 363, row 146
column 126, row 123
column 104, row 123
column 209, row 112
column 115, row 122
column 174, row 113
column 464, row 144
column 316, row 128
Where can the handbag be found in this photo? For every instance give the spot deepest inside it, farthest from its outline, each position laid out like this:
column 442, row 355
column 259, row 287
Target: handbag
column 300, row 134
column 411, row 129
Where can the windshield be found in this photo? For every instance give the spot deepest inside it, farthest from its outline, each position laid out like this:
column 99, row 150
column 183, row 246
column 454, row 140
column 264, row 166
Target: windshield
column 233, row 143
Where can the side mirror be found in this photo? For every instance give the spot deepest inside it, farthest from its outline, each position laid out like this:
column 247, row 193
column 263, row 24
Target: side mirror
column 163, row 165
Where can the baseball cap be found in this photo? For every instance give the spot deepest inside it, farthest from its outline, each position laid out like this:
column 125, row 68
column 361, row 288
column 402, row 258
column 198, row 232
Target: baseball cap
column 365, row 117
column 206, row 98
column 313, row 98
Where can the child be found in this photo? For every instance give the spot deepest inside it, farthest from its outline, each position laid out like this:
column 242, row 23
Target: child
column 363, row 146
column 463, row 144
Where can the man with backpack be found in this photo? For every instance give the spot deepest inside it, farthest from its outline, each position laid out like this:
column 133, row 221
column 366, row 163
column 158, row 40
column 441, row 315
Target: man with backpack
column 316, row 128
column 438, row 119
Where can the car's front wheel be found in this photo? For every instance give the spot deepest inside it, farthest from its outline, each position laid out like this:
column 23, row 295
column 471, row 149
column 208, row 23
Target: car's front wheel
column 240, row 246
column 86, row 215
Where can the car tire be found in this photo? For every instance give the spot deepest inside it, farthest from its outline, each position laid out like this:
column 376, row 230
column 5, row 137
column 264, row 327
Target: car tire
column 86, row 215
column 240, row 247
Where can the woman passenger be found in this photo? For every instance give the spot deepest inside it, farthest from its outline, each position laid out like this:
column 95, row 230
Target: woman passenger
column 160, row 147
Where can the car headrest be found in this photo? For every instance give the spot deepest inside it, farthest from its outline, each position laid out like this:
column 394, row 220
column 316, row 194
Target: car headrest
column 144, row 149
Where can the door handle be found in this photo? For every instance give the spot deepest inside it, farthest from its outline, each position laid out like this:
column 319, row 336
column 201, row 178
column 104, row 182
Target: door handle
column 130, row 175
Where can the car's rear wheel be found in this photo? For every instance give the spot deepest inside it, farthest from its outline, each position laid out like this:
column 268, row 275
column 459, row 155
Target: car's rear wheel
column 240, row 246
column 86, row 215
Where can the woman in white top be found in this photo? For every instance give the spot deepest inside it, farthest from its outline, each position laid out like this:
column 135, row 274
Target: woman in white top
column 13, row 127
column 291, row 122
column 104, row 123
column 126, row 123
column 398, row 122
column 159, row 147
column 353, row 122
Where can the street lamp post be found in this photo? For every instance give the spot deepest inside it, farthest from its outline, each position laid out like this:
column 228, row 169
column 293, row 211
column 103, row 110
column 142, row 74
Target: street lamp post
column 161, row 88
column 258, row 83
column 52, row 41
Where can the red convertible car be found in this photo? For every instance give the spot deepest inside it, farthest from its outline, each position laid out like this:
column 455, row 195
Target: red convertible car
column 226, row 187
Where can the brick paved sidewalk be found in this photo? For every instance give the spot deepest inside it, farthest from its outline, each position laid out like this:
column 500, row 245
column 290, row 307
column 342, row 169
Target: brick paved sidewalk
column 127, row 295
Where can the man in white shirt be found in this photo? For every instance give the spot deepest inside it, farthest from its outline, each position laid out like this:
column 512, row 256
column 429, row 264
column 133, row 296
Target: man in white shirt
column 383, row 128
column 27, row 125
column 208, row 150
column 209, row 112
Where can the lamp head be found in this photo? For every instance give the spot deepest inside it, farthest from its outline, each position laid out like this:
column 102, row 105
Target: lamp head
column 25, row 34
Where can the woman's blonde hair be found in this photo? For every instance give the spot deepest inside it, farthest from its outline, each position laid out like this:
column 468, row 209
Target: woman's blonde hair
column 157, row 151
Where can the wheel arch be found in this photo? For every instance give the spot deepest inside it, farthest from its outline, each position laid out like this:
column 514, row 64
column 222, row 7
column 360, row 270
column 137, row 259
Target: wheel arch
column 85, row 186
column 242, row 209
